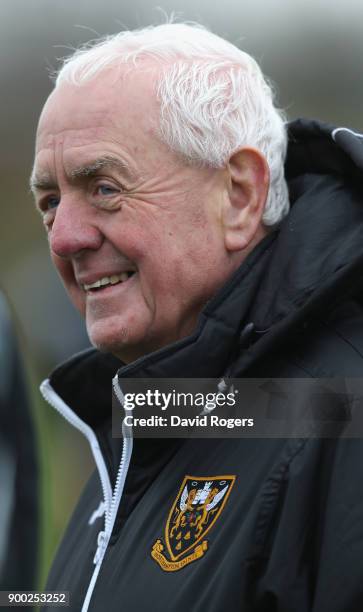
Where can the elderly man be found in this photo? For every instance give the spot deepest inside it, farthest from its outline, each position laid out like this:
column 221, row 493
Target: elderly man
column 159, row 174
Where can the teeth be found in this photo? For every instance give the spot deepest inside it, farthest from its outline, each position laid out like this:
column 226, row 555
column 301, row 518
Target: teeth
column 108, row 280
column 94, row 285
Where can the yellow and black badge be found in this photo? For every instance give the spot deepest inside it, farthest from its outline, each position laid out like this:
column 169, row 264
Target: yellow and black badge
column 198, row 505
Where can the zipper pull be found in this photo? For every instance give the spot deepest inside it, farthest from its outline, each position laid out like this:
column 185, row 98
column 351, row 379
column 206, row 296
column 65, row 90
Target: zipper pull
column 102, row 541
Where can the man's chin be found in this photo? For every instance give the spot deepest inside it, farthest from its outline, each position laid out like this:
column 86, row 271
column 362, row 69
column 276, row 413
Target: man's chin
column 117, row 342
column 107, row 341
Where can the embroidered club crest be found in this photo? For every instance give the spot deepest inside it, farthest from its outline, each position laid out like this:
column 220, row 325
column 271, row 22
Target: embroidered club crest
column 198, row 505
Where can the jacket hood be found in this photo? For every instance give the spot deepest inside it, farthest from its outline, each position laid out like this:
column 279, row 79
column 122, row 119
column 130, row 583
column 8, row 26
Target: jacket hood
column 312, row 260
column 321, row 238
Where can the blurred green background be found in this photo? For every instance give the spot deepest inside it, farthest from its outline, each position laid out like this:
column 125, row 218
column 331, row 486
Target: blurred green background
column 311, row 49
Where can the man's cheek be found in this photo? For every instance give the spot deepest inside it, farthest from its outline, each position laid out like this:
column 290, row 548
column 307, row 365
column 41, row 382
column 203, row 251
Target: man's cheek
column 78, row 299
column 75, row 292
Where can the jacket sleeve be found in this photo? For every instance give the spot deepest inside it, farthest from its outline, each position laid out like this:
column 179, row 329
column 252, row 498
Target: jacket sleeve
column 311, row 547
column 339, row 575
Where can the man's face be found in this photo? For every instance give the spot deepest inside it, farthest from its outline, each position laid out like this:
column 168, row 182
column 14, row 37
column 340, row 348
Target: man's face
column 121, row 209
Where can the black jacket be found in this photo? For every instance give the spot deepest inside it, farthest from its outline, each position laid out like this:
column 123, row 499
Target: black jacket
column 289, row 537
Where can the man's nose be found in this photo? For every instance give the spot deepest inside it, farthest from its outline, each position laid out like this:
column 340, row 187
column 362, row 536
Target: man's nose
column 73, row 229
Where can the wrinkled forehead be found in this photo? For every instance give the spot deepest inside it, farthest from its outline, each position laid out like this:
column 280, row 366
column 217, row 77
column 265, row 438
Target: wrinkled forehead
column 117, row 97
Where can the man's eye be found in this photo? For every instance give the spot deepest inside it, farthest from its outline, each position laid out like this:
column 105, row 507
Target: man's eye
column 106, row 190
column 51, row 202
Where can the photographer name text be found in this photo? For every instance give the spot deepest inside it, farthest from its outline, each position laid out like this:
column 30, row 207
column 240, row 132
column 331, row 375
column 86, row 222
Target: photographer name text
column 207, row 420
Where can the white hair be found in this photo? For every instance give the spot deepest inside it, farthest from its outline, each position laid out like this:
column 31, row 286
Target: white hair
column 213, row 97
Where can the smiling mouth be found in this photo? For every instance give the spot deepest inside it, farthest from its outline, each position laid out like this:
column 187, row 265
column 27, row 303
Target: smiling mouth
column 107, row 281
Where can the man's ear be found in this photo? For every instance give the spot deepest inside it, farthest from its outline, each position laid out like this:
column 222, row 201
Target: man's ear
column 249, row 178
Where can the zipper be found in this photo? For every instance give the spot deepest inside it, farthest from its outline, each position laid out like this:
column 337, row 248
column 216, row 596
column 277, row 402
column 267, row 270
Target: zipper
column 100, row 511
column 112, row 499
column 56, row 402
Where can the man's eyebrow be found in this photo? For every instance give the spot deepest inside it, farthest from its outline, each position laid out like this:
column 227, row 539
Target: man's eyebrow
column 41, row 182
column 44, row 181
column 91, row 168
